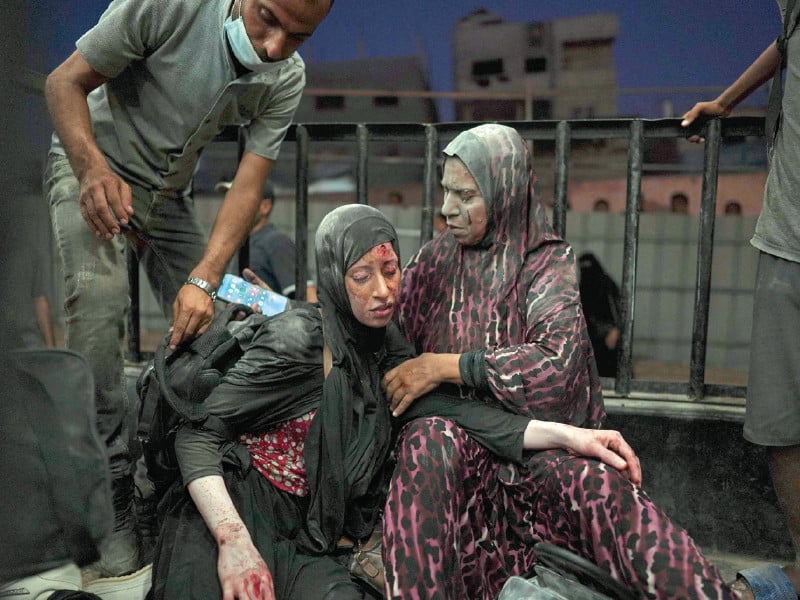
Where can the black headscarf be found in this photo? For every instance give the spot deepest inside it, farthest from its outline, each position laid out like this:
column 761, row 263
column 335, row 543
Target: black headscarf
column 349, row 440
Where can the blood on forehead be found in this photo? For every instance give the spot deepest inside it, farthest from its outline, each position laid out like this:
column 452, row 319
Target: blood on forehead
column 383, row 250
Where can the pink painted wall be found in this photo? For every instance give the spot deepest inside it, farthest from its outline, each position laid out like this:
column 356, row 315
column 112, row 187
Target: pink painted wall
column 746, row 188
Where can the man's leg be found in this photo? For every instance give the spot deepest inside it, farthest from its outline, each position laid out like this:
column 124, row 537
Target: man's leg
column 785, row 470
column 96, row 305
column 170, row 242
column 772, row 415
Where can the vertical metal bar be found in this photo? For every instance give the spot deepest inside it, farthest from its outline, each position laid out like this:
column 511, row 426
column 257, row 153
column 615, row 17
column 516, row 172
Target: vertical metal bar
column 362, row 141
column 301, row 215
column 560, row 174
column 630, row 251
column 705, row 253
column 429, row 183
column 243, row 258
column 134, row 315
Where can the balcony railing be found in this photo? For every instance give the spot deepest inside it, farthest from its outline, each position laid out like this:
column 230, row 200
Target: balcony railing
column 624, row 393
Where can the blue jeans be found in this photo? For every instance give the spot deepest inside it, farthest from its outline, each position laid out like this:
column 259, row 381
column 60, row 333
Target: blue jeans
column 169, row 242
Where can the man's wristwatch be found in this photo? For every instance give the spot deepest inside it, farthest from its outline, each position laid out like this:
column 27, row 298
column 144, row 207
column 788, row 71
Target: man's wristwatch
column 203, row 285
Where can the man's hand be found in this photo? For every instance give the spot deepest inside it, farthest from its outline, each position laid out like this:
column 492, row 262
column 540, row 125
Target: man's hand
column 707, row 109
column 612, row 337
column 192, row 313
column 242, row 572
column 409, row 381
column 105, row 201
column 607, row 445
column 250, row 276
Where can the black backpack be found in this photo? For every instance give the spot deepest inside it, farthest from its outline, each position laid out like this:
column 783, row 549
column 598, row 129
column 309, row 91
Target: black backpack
column 173, row 387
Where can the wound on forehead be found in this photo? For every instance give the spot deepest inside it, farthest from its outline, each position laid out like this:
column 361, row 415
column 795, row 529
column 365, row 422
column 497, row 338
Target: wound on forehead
column 383, row 249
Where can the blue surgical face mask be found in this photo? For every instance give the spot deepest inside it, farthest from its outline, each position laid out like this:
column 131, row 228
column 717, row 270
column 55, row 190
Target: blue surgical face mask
column 243, row 48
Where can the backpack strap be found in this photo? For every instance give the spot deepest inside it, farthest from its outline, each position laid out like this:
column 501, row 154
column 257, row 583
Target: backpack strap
column 774, row 103
column 148, row 408
column 204, row 345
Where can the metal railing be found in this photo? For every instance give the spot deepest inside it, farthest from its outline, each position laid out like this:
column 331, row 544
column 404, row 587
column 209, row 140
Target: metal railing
column 623, row 393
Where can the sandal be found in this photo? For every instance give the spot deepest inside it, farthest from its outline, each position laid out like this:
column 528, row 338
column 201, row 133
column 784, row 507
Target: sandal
column 767, row 582
column 367, row 561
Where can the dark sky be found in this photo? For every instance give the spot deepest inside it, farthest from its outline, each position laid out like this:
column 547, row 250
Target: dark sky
column 661, row 43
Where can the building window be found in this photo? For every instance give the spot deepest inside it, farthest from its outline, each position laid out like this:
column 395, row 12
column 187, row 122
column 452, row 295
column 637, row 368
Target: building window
column 329, row 102
column 733, row 207
column 536, row 65
column 542, row 109
column 583, row 112
column 382, row 101
column 535, row 33
column 484, row 68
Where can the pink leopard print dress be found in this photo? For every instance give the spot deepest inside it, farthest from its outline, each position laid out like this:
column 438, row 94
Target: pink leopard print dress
column 458, row 520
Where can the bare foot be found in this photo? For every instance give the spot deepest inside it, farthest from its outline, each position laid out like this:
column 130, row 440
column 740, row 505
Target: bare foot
column 741, row 590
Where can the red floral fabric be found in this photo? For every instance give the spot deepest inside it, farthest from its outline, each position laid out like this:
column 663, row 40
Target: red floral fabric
column 278, row 454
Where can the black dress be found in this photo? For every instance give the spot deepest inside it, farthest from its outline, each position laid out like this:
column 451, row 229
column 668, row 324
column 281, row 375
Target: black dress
column 278, row 378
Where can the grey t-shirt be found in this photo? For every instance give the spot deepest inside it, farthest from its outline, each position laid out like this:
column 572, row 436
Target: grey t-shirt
column 174, row 87
column 778, row 227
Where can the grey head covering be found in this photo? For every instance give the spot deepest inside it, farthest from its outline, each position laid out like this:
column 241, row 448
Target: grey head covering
column 349, row 440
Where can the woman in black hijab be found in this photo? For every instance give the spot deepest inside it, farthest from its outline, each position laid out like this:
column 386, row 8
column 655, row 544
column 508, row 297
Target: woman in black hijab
column 302, row 457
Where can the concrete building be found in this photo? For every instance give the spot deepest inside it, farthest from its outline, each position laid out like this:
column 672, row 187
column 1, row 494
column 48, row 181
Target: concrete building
column 562, row 69
column 352, row 91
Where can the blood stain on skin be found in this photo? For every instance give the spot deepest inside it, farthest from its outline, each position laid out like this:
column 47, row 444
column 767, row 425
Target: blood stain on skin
column 256, row 581
column 383, row 249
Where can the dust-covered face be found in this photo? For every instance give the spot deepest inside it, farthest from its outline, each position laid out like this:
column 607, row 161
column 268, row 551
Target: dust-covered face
column 372, row 284
column 464, row 207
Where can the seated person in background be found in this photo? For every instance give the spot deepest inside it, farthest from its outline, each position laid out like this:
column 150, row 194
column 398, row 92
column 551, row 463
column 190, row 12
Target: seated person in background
column 302, row 455
column 494, row 308
column 601, row 302
column 272, row 252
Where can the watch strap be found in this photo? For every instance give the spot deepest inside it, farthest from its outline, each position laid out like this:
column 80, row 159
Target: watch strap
column 203, row 285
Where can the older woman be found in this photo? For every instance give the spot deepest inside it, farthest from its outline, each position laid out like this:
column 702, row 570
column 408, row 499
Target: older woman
column 494, row 308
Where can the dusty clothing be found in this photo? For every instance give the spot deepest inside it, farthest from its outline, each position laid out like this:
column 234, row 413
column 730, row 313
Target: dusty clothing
column 278, row 380
column 493, row 512
column 778, row 227
column 186, row 556
column 161, row 108
column 173, row 87
column 346, row 449
column 772, row 416
column 511, row 305
column 772, row 411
